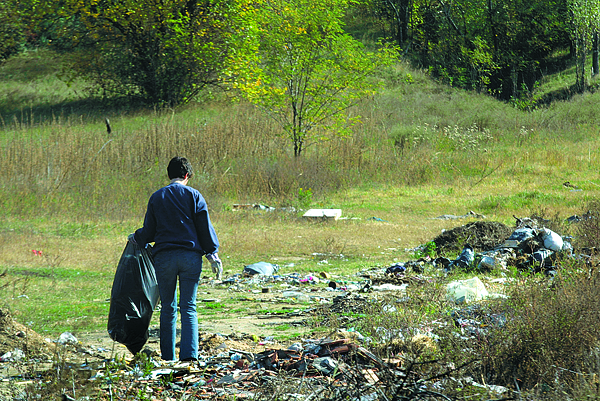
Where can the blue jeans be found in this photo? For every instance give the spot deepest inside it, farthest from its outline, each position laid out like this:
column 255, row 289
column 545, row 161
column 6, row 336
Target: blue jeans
column 187, row 266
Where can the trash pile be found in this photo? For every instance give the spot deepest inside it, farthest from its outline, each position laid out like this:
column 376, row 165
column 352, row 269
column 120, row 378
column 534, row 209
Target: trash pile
column 327, row 364
column 492, row 245
column 329, row 368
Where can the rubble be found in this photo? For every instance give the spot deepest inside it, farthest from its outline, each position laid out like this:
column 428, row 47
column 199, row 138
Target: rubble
column 331, row 363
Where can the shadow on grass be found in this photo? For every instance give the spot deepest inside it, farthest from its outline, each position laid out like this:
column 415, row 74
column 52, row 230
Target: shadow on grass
column 90, row 109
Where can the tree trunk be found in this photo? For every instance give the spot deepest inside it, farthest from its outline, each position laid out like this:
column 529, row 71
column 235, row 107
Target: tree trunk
column 580, row 65
column 405, row 7
column 595, row 66
column 493, row 32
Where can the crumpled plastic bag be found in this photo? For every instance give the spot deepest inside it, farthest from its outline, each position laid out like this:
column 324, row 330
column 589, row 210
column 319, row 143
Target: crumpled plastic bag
column 264, row 268
column 552, row 240
column 133, row 297
column 465, row 259
column 466, row 290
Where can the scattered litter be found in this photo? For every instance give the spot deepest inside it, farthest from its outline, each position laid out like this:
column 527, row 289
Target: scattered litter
column 325, row 365
column 377, row 219
column 465, row 259
column 468, row 290
column 396, row 268
column 389, row 287
column 67, row 338
column 252, row 206
column 468, row 215
column 264, row 268
column 299, row 296
column 12, row 356
column 323, row 214
column 486, row 263
column 552, row 240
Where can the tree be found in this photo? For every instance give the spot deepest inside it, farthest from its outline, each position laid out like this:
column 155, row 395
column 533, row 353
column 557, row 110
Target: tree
column 165, row 51
column 12, row 29
column 488, row 45
column 397, row 13
column 585, row 21
column 305, row 72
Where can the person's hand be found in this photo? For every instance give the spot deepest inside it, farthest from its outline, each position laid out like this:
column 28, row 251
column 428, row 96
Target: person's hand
column 131, row 238
column 217, row 268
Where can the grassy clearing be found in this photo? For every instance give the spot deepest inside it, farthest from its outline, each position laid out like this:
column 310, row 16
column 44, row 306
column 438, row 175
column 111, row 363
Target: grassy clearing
column 74, row 192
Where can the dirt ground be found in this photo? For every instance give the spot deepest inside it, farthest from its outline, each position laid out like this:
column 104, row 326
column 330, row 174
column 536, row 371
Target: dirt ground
column 246, row 332
column 481, row 235
column 243, row 332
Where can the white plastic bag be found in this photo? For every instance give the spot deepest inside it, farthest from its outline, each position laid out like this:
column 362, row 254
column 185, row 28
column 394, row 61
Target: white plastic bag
column 552, row 240
column 466, row 290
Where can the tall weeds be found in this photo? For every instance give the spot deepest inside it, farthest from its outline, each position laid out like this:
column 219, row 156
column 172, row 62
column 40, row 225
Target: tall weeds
column 66, row 164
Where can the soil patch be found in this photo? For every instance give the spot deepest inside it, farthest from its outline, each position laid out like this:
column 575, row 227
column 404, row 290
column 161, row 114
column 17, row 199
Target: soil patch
column 15, row 336
column 481, row 235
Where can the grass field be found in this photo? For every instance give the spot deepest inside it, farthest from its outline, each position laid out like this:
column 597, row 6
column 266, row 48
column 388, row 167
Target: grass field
column 423, row 150
column 74, row 192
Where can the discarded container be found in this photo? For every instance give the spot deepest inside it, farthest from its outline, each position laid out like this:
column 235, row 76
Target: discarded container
column 466, row 290
column 324, row 275
column 552, row 240
column 264, row 268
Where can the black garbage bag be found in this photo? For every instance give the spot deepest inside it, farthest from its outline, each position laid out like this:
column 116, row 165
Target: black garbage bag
column 133, row 298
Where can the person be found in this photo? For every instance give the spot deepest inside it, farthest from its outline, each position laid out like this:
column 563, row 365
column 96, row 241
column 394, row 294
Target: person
column 178, row 223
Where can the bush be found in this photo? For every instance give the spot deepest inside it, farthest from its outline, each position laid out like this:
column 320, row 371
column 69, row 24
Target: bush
column 551, row 328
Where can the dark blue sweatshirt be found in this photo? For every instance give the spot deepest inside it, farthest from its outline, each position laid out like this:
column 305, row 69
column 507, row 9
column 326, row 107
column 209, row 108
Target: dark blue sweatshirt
column 177, row 218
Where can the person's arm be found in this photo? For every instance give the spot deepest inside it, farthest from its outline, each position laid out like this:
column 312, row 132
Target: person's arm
column 146, row 234
column 207, row 237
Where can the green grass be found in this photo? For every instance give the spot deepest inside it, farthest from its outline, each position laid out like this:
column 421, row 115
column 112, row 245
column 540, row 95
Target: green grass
column 75, row 193
column 54, row 300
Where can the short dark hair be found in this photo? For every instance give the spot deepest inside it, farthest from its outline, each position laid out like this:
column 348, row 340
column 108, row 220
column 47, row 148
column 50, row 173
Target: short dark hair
column 178, row 167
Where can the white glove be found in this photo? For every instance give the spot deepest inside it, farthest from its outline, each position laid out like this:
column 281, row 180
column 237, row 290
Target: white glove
column 217, row 266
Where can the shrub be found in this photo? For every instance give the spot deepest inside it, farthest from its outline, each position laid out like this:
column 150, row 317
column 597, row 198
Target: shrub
column 551, row 328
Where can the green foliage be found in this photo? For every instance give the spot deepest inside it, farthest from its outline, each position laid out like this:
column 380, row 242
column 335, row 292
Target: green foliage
column 165, row 53
column 306, row 72
column 588, row 228
column 305, row 197
column 428, row 250
column 492, row 47
column 12, row 28
column 549, row 332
